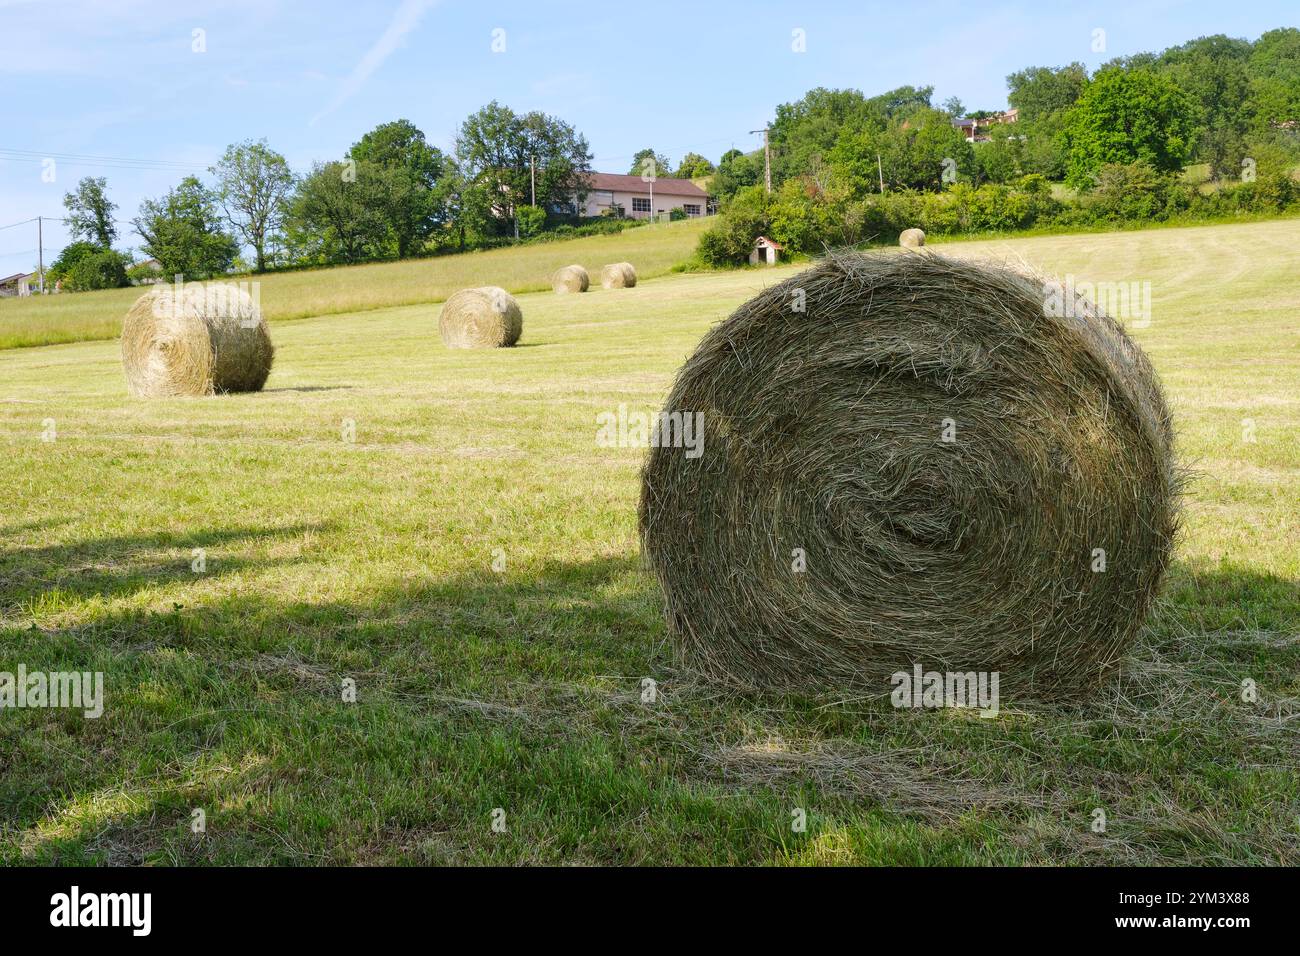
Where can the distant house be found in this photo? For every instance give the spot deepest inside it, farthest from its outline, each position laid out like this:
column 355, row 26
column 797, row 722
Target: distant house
column 147, row 272
column 640, row 199
column 975, row 129
column 765, row 251
column 20, row 283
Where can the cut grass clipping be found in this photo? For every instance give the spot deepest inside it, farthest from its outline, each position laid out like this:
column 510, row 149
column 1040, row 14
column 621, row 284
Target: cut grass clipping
column 196, row 339
column 911, row 460
column 484, row 318
column 570, row 279
column 911, row 238
column 618, row 275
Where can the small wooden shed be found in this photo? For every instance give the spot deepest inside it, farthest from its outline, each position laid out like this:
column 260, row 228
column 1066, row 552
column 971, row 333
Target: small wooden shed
column 765, row 251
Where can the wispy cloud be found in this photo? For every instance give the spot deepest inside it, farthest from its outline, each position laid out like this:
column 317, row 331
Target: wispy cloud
column 405, row 19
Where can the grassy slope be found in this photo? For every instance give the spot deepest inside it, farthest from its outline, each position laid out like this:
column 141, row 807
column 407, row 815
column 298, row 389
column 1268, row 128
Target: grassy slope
column 520, row 690
column 294, row 295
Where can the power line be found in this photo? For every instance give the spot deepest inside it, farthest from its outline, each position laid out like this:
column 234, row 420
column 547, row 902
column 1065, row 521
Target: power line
column 88, row 159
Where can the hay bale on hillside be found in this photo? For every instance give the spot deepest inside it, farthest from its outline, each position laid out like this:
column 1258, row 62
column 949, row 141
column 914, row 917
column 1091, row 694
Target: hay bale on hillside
column 911, row 238
column 570, row 279
column 924, row 467
column 618, row 275
column 483, row 318
column 198, row 339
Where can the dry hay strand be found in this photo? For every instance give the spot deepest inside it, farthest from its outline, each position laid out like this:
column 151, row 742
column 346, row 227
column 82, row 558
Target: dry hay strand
column 618, row 275
column 196, row 339
column 487, row 317
column 824, row 443
column 570, row 279
column 892, row 778
column 911, row 238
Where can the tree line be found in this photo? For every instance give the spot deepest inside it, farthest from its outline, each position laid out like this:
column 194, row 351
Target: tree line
column 392, row 196
column 846, row 166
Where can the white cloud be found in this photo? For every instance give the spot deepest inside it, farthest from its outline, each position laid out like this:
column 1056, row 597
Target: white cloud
column 405, row 19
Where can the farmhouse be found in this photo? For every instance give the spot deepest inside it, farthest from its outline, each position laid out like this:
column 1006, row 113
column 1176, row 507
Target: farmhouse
column 975, row 128
column 20, row 283
column 633, row 196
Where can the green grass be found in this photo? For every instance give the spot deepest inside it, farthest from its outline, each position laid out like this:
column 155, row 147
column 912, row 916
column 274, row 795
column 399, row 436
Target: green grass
column 520, row 690
column 86, row 316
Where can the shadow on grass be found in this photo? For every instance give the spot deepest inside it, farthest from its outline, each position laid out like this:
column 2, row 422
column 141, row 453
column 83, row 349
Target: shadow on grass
column 481, row 689
column 309, row 388
column 110, row 567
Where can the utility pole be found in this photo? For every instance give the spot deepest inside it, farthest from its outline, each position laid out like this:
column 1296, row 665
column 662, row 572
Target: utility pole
column 767, row 156
column 532, row 176
column 40, row 252
column 881, row 170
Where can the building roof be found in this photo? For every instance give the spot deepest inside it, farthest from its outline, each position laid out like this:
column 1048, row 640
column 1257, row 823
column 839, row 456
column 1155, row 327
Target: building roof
column 15, row 277
column 634, row 184
column 764, row 241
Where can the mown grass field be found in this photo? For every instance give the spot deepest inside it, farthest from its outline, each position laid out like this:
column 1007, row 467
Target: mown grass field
column 519, row 687
column 87, row 316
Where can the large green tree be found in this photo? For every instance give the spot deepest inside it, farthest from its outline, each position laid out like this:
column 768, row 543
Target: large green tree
column 415, row 205
column 502, row 152
column 807, row 129
column 1274, row 69
column 182, row 230
column 1128, row 116
column 338, row 212
column 912, row 154
column 1039, row 91
column 90, row 212
column 1043, row 96
column 254, row 184
column 736, row 171
column 647, row 162
column 1213, row 72
column 693, row 165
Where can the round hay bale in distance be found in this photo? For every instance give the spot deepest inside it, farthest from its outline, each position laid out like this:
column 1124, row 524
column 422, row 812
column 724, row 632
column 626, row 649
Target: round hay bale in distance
column 570, row 279
column 486, row 317
column 932, row 465
column 618, row 275
column 199, row 338
column 911, row 238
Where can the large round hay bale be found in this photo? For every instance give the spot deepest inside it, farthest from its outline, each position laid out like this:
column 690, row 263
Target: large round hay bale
column 196, row 339
column 483, row 318
column 911, row 238
column 924, row 466
column 570, row 279
column 618, row 275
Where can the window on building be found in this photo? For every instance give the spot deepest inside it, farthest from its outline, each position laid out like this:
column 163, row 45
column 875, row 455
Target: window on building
column 640, row 205
column 691, row 210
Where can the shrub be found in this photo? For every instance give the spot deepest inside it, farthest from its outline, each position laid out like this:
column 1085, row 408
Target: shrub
column 730, row 239
column 1274, row 192
column 1128, row 191
column 531, row 219
column 72, row 254
column 105, row 269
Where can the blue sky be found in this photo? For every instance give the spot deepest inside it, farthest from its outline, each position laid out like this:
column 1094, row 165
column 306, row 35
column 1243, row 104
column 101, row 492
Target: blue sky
column 120, row 78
